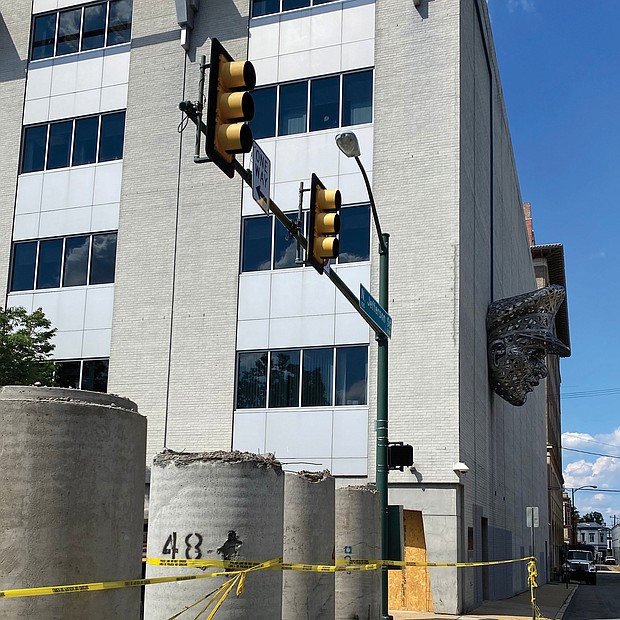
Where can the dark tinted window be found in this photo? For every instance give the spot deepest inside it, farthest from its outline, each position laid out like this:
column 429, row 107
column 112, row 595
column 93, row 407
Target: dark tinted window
column 288, row 5
column 34, row 148
column 317, row 377
column 321, row 1
column 93, row 33
column 324, row 102
column 265, row 7
column 24, row 258
column 293, row 108
column 285, row 249
column 256, row 244
column 85, row 141
column 284, row 379
column 263, row 124
column 251, row 380
column 112, row 136
column 67, row 374
column 354, row 234
column 351, row 375
column 68, row 32
column 357, row 98
column 76, row 261
column 59, row 149
column 119, row 25
column 44, row 36
column 50, row 260
column 95, row 375
column 103, row 258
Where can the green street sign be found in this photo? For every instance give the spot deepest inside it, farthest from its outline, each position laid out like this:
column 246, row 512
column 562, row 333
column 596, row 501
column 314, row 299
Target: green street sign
column 373, row 309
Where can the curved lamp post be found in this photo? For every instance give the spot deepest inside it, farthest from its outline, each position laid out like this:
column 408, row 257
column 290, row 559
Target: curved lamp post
column 572, row 513
column 347, row 142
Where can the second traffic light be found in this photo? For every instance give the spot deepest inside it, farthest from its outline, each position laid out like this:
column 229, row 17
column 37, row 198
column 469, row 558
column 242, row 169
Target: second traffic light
column 323, row 242
column 229, row 107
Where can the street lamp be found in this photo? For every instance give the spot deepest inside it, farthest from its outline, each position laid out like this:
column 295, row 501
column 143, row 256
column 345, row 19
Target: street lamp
column 572, row 514
column 348, row 144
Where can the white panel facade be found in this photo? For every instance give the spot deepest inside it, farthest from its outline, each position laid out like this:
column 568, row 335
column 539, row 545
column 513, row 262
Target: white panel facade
column 77, row 84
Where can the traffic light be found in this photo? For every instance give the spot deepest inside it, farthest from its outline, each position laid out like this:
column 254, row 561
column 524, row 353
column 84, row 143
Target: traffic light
column 323, row 241
column 229, row 106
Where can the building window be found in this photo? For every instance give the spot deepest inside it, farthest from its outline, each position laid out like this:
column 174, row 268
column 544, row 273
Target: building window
column 328, row 102
column 583, row 537
column 268, row 7
column 73, row 143
column 83, row 374
column 284, row 379
column 68, row 261
column 266, row 244
column 80, row 29
column 602, row 538
column 591, row 537
column 302, row 377
column 252, row 380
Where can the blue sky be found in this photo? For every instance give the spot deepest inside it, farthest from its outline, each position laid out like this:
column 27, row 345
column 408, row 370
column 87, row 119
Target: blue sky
column 560, row 68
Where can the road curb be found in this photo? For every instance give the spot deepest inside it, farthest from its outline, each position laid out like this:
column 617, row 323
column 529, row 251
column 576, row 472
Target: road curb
column 565, row 605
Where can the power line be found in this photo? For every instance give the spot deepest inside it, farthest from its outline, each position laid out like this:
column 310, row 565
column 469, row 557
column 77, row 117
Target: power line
column 602, row 443
column 609, row 456
column 591, row 393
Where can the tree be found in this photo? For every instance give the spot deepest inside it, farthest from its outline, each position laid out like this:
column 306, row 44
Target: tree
column 592, row 517
column 25, row 347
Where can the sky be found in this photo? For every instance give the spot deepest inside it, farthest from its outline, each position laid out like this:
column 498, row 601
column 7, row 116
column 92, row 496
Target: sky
column 559, row 63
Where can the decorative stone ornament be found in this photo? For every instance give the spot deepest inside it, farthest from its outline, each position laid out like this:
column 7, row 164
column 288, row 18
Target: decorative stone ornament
column 520, row 335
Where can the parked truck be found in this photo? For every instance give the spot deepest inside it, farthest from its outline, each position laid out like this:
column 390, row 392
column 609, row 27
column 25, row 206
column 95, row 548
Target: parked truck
column 580, row 564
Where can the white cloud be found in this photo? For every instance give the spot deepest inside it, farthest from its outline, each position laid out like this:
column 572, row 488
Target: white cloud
column 584, row 469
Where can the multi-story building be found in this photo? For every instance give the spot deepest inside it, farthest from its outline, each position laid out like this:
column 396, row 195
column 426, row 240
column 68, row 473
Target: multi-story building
column 549, row 269
column 597, row 535
column 168, row 285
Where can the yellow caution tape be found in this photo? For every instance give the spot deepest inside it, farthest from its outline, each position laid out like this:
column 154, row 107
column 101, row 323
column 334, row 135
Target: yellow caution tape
column 239, row 567
column 402, row 564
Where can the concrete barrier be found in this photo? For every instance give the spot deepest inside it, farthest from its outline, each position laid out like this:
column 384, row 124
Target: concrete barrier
column 217, row 505
column 71, row 500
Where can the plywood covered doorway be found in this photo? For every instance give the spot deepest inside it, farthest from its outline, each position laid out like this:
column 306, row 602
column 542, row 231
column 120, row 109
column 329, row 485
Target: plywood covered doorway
column 410, row 589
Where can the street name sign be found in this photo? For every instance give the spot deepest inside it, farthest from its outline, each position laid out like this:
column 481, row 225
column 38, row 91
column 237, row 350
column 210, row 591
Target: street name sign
column 373, row 309
column 261, row 177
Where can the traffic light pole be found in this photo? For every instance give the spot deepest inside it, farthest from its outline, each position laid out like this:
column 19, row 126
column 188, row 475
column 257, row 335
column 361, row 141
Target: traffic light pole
column 381, row 458
column 382, row 465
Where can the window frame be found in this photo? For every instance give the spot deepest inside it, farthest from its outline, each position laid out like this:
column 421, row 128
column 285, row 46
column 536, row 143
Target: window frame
column 38, row 242
column 309, row 83
column 281, row 9
column 82, row 8
column 73, row 121
column 272, row 238
column 300, row 406
column 81, row 362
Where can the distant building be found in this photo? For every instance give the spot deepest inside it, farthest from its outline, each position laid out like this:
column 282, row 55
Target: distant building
column 615, row 541
column 597, row 535
column 549, row 268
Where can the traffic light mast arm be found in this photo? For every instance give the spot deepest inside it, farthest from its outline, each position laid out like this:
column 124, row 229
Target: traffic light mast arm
column 293, row 230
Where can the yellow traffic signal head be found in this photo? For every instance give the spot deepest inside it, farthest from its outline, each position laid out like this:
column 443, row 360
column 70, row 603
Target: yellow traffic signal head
column 323, row 242
column 229, row 107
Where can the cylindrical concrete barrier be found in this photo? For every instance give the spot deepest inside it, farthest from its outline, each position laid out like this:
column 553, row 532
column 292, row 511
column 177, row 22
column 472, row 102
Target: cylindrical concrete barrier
column 358, row 537
column 221, row 506
column 71, row 501
column 309, row 504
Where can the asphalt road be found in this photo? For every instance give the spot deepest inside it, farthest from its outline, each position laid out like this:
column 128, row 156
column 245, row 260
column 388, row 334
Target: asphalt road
column 599, row 601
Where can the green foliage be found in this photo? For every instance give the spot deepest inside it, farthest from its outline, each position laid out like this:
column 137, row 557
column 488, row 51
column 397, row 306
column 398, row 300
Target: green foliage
column 25, row 347
column 592, row 517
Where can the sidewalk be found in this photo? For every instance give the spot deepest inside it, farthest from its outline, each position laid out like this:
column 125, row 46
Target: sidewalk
column 552, row 600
